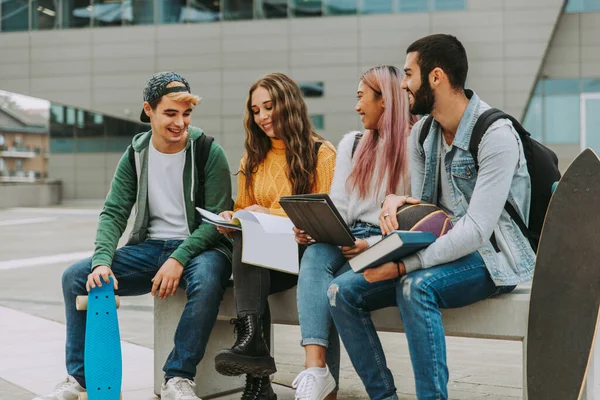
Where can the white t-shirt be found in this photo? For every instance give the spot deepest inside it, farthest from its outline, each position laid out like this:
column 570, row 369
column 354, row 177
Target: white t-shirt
column 165, row 195
column 445, row 198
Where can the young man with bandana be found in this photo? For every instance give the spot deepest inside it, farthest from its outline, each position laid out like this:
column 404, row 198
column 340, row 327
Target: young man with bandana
column 168, row 247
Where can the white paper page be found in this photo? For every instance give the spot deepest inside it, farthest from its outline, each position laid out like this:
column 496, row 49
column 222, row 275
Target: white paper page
column 270, row 223
column 217, row 220
column 275, row 251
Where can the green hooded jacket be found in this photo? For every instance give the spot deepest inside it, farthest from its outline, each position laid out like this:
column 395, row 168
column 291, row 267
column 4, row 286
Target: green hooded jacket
column 128, row 189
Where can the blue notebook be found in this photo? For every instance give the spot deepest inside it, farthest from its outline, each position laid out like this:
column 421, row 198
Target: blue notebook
column 393, row 247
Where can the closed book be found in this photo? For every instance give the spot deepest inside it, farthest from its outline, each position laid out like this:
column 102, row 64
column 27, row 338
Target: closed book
column 393, row 247
column 316, row 215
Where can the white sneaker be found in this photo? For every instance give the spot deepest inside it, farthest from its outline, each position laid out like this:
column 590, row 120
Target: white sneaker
column 68, row 389
column 313, row 384
column 179, row 389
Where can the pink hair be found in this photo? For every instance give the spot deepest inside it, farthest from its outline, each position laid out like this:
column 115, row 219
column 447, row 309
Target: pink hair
column 390, row 138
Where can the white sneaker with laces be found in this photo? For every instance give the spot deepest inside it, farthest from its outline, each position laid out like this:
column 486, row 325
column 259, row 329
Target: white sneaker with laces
column 178, row 389
column 68, row 389
column 313, row 384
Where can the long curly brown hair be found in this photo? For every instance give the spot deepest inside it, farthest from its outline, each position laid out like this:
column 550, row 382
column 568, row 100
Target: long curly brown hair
column 290, row 124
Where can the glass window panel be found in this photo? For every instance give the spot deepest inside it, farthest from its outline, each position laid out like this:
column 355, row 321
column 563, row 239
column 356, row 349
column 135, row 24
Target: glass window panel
column 112, row 13
column 90, row 145
column 171, row 11
column 237, row 9
column 57, row 114
column 70, row 115
column 76, row 13
column 271, row 8
column 577, row 6
column 14, row 15
column 142, row 11
column 311, row 89
column 533, row 120
column 448, row 5
column 318, row 121
column 590, row 85
column 201, row 11
column 117, row 144
column 62, row 145
column 561, row 118
column 307, row 8
column 376, row 6
column 413, row 5
column 560, row 86
column 340, row 7
column 592, row 124
column 44, row 14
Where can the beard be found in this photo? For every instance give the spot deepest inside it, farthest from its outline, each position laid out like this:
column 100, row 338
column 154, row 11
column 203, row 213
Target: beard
column 423, row 99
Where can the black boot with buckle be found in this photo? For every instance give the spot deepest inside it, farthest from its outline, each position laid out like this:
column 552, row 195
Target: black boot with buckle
column 250, row 353
column 258, row 388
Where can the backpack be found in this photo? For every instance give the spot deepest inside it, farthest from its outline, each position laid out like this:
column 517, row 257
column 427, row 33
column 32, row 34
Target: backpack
column 357, row 138
column 542, row 165
column 202, row 150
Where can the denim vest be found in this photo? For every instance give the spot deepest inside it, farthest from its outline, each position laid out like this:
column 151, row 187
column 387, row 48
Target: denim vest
column 513, row 259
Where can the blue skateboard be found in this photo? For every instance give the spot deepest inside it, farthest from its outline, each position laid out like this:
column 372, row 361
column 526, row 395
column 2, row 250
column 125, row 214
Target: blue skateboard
column 102, row 356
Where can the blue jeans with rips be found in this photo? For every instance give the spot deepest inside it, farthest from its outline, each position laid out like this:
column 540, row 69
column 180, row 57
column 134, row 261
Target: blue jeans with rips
column 204, row 280
column 419, row 295
column 319, row 265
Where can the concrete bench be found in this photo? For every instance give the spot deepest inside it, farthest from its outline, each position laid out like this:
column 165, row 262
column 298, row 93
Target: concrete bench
column 503, row 317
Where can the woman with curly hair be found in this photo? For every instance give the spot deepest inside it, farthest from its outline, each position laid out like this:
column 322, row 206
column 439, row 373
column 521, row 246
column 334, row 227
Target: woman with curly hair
column 284, row 156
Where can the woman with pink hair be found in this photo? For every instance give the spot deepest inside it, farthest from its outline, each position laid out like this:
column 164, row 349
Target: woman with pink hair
column 361, row 182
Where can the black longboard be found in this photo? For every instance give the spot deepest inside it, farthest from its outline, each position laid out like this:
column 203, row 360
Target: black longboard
column 563, row 311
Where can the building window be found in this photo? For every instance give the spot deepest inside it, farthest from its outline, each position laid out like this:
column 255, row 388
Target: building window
column 376, row 6
column 318, row 121
column 78, row 13
column 448, row 5
column 413, row 5
column 307, row 8
column 237, row 10
column 578, row 6
column 340, row 7
column 271, row 9
column 311, row 89
column 199, row 11
column 14, row 15
column 44, row 15
column 555, row 112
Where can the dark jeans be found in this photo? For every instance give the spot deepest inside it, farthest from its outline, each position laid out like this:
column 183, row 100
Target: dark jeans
column 204, row 280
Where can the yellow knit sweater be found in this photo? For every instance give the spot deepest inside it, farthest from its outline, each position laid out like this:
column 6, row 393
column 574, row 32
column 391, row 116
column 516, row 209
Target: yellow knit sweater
column 270, row 181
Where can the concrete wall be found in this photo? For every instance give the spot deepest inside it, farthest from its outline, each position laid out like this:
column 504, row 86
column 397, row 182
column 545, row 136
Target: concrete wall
column 30, row 194
column 104, row 69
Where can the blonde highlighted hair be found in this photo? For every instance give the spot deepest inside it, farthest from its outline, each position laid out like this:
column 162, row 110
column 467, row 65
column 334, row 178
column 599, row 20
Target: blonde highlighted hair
column 188, row 97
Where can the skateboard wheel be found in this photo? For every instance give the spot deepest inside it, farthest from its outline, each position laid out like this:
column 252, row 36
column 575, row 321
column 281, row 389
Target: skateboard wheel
column 81, row 304
column 83, row 396
column 118, row 301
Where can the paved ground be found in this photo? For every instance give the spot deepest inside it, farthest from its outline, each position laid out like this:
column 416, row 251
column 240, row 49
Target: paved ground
column 37, row 244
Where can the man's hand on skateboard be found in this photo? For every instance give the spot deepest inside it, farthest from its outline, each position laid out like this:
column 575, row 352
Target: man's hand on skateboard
column 99, row 274
column 167, row 278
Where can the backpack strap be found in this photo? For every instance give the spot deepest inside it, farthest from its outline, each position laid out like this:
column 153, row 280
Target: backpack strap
column 357, row 138
column 425, row 128
column 483, row 123
column 202, row 150
column 131, row 156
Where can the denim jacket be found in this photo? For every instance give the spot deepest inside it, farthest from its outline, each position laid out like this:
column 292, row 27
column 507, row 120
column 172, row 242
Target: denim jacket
column 478, row 197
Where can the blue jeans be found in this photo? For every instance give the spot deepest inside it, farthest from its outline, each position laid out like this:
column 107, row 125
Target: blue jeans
column 204, row 280
column 319, row 265
column 419, row 296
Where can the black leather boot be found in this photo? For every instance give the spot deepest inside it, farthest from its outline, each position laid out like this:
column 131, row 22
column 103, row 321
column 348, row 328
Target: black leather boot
column 250, row 354
column 258, row 388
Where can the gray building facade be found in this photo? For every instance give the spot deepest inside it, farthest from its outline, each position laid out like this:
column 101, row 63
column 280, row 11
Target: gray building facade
column 536, row 59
